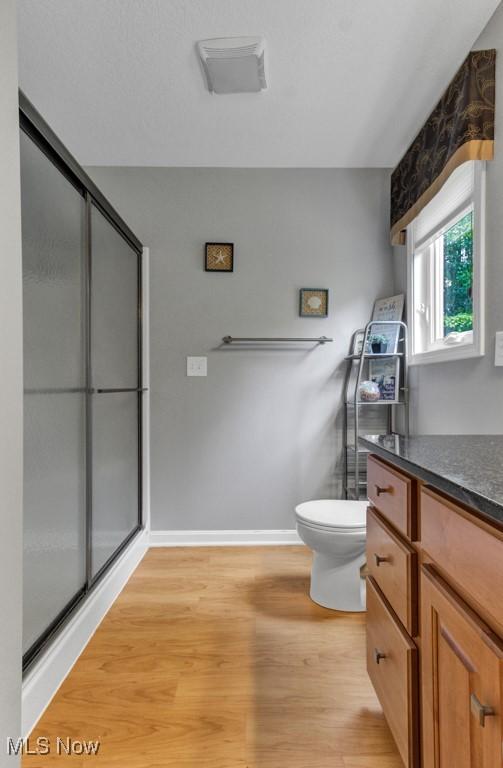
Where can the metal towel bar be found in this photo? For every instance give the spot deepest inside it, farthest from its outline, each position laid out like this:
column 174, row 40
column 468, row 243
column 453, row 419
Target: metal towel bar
column 233, row 339
column 115, row 390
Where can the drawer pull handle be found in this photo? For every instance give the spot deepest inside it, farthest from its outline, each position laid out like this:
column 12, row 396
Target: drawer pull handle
column 379, row 559
column 378, row 656
column 481, row 711
column 380, row 490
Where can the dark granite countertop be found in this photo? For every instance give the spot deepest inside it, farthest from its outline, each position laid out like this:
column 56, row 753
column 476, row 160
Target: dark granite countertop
column 468, row 468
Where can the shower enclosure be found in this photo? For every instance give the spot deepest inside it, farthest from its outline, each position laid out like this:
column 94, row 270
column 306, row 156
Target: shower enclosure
column 82, row 379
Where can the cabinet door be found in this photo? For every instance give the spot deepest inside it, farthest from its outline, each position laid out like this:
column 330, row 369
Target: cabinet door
column 462, row 678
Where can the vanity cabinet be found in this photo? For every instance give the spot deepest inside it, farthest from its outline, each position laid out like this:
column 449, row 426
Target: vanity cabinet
column 462, row 666
column 434, row 622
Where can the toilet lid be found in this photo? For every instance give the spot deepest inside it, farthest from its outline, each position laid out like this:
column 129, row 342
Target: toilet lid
column 333, row 513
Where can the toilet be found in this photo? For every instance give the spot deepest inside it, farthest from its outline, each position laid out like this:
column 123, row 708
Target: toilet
column 336, row 531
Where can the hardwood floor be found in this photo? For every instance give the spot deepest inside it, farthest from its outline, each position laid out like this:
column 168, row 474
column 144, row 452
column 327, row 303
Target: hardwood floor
column 217, row 658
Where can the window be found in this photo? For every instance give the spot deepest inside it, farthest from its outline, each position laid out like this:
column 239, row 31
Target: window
column 445, row 270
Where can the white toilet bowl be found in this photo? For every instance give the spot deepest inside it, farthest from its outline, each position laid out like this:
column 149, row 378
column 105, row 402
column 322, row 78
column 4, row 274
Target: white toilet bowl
column 336, row 531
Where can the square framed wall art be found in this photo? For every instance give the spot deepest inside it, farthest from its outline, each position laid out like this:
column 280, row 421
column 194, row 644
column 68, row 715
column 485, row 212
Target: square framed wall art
column 313, row 302
column 219, row 257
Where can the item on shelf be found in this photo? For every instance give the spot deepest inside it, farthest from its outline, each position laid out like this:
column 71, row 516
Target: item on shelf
column 385, row 374
column 388, row 309
column 369, row 392
column 357, row 347
column 378, row 343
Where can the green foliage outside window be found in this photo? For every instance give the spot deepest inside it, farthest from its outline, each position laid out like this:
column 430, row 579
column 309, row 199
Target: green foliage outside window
column 458, row 276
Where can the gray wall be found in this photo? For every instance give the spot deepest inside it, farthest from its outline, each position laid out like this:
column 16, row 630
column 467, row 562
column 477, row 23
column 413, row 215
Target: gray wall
column 464, row 396
column 238, row 449
column 11, row 414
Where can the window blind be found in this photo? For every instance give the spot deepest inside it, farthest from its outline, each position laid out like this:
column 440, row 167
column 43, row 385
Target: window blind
column 456, row 193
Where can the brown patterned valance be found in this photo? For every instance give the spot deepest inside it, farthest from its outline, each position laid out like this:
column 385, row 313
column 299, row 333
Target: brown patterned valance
column 460, row 128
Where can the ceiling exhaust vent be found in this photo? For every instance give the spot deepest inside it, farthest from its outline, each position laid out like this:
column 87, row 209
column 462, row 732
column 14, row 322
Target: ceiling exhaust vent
column 233, row 64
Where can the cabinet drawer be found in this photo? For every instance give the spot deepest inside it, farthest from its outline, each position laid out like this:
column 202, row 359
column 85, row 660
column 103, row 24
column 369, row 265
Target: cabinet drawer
column 392, row 667
column 392, row 563
column 391, row 493
column 467, row 551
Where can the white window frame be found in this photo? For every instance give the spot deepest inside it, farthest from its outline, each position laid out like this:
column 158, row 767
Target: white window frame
column 455, row 346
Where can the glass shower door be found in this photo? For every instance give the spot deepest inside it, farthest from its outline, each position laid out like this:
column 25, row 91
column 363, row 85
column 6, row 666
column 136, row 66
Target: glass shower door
column 82, row 383
column 115, row 442
column 54, row 562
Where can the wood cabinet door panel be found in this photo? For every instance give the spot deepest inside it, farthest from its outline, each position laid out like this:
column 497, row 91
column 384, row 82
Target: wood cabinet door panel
column 462, row 678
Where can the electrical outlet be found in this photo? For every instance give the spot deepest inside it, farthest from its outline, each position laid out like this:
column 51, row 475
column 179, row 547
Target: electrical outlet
column 498, row 348
column 197, row 366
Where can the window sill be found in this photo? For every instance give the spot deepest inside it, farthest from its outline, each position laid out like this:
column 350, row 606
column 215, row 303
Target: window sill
column 462, row 352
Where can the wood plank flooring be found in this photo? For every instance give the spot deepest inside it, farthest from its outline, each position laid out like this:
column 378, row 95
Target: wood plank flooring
column 217, row 658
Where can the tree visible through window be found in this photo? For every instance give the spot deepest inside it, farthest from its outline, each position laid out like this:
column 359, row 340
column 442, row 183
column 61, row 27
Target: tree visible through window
column 458, row 276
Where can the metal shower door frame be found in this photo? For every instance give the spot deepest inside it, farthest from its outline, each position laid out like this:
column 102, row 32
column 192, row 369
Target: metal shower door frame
column 35, row 127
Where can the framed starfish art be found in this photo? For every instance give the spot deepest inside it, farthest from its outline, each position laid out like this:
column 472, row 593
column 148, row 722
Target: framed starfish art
column 219, row 257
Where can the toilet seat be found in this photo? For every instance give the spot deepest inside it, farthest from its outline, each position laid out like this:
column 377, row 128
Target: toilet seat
column 336, row 515
column 331, row 528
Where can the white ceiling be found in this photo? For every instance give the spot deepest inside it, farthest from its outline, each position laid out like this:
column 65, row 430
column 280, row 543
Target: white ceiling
column 350, row 81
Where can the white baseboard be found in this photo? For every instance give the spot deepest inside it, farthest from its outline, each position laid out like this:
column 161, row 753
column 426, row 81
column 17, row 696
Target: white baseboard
column 222, row 538
column 45, row 677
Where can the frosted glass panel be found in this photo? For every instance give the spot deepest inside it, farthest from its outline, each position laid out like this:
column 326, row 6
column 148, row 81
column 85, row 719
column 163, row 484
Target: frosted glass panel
column 53, row 220
column 114, row 306
column 115, row 473
column 114, row 347
column 54, row 508
column 54, row 372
